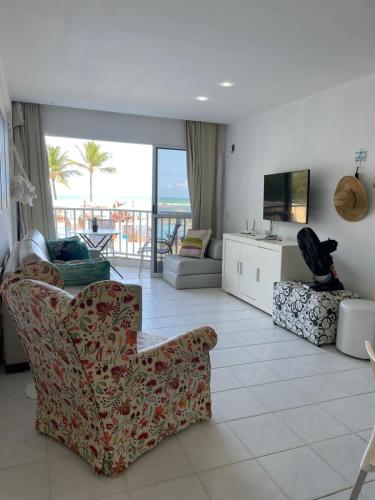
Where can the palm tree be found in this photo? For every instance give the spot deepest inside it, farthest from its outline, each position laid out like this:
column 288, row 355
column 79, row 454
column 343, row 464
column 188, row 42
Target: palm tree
column 93, row 161
column 59, row 171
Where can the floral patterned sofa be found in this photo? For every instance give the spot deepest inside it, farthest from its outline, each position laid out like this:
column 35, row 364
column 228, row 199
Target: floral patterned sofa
column 106, row 391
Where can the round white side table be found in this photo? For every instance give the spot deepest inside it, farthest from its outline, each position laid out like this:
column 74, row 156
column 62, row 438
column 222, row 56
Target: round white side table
column 355, row 325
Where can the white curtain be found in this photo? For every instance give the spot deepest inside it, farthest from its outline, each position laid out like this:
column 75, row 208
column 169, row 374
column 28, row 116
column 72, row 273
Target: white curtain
column 205, row 147
column 29, row 142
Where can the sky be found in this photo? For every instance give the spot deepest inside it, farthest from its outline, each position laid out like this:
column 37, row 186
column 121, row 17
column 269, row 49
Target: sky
column 172, row 178
column 132, row 180
column 131, row 185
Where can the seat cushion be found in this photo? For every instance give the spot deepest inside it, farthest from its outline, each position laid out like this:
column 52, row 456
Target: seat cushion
column 188, row 265
column 181, row 282
column 84, row 272
column 33, row 247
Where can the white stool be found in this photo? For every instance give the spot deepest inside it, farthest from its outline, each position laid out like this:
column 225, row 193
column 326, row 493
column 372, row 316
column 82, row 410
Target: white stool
column 356, row 324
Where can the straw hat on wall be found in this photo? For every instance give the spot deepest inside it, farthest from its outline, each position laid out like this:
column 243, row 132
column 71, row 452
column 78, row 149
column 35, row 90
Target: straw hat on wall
column 351, row 199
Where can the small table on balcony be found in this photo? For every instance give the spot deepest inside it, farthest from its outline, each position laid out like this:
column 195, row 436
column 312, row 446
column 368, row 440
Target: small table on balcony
column 103, row 237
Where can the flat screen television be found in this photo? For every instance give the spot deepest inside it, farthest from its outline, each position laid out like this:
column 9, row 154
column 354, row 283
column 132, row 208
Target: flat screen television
column 286, row 196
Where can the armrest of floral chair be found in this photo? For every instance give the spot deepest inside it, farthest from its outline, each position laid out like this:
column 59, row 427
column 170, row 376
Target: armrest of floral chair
column 178, row 349
column 14, row 355
column 40, row 270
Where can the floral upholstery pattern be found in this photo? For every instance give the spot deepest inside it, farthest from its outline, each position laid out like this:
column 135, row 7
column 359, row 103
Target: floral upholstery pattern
column 309, row 314
column 98, row 392
column 41, row 270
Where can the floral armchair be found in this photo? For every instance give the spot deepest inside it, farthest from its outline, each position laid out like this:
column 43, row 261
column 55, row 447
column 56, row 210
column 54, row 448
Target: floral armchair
column 100, row 391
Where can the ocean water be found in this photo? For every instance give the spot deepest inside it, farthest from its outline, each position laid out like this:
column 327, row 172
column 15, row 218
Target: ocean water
column 133, row 203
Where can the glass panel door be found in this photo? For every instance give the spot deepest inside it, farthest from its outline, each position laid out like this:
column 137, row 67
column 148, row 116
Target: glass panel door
column 171, row 204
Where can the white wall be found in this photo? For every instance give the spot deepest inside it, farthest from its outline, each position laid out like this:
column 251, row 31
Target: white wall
column 5, row 216
column 102, row 125
column 321, row 133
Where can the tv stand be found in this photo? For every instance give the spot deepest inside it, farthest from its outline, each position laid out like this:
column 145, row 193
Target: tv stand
column 270, row 237
column 251, row 266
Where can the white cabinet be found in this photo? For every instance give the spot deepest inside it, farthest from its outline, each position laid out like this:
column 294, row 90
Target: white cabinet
column 231, row 278
column 250, row 267
column 247, row 270
column 268, row 271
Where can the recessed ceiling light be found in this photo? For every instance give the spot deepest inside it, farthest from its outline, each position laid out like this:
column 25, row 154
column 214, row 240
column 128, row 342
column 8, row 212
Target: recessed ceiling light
column 202, row 98
column 226, row 83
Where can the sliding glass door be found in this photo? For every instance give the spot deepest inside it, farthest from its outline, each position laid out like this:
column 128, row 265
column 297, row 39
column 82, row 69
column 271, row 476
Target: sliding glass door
column 171, row 204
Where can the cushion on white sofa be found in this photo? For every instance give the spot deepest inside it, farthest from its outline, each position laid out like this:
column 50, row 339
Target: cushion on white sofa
column 33, row 247
column 194, row 243
column 215, row 249
column 13, row 261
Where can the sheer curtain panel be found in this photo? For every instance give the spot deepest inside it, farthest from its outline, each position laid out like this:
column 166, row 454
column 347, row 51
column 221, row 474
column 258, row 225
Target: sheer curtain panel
column 29, row 143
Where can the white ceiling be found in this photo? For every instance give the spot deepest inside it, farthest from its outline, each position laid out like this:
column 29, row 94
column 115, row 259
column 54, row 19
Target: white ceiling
column 153, row 57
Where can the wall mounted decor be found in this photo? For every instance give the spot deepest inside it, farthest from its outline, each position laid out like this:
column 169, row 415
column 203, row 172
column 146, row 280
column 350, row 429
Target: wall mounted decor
column 351, row 199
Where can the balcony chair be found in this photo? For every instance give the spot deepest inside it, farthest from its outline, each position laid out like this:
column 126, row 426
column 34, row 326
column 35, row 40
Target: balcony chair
column 105, row 390
column 163, row 246
column 368, row 460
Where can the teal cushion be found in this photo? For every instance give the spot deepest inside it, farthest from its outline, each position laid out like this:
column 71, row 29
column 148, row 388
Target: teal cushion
column 67, row 249
column 84, row 272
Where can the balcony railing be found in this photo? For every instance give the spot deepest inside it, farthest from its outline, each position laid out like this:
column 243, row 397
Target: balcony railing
column 133, row 226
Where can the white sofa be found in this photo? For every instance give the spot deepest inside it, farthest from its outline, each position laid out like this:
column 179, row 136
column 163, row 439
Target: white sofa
column 187, row 272
column 31, row 248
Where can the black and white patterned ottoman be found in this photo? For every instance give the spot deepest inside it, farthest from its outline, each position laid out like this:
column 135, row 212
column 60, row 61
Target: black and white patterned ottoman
column 309, row 314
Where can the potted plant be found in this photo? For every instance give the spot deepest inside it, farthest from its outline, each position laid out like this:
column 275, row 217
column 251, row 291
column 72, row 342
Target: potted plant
column 94, row 224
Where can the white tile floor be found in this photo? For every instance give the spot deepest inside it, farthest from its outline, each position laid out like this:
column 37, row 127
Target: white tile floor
column 290, row 420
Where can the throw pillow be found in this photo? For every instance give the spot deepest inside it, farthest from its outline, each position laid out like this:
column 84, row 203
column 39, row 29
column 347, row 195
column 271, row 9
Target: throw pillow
column 66, row 249
column 215, row 249
column 195, row 242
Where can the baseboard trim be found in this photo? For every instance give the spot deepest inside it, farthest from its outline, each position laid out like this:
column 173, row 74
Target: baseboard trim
column 17, row 367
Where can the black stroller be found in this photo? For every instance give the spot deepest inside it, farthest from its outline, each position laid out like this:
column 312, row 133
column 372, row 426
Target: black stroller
column 317, row 255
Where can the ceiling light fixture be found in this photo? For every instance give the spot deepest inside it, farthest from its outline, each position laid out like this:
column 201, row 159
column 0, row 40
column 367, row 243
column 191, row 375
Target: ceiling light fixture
column 202, row 98
column 226, row 84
